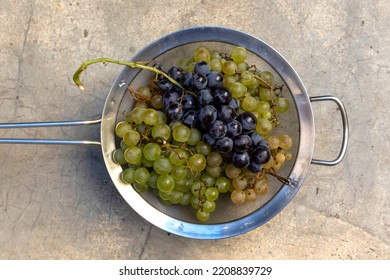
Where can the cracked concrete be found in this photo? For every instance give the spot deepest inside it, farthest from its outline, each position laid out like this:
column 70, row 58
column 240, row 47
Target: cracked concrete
column 59, row 202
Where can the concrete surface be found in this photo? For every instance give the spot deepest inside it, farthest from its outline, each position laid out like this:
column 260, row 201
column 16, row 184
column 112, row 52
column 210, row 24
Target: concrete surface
column 59, row 203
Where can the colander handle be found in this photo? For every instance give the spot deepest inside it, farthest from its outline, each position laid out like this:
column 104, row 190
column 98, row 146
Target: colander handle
column 345, row 130
column 48, row 141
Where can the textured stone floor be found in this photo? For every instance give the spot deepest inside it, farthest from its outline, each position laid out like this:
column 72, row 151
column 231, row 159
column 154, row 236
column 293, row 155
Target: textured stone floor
column 58, row 202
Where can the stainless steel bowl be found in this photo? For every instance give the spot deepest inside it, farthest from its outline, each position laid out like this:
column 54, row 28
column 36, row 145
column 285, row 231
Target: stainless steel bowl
column 228, row 220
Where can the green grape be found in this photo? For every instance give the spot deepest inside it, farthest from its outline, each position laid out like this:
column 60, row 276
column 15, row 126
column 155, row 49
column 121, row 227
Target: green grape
column 229, row 67
column 186, row 199
column 239, row 54
column 179, row 172
column 242, row 67
column 165, row 183
column 161, row 131
column 203, row 148
column 267, row 77
column 202, row 53
column 264, row 126
column 265, row 94
column 213, row 171
column 165, row 195
column 162, row 166
column 214, row 159
column 231, row 171
column 178, row 157
column 151, row 151
column 266, row 115
column 140, row 187
column 180, row 184
column 195, row 202
column 282, row 105
column 131, row 138
column 142, row 129
column 247, row 78
column 250, row 195
column 181, row 133
column 228, row 80
column 238, row 90
column 249, row 103
column 262, row 106
column 176, row 197
column 211, row 194
column 222, row 184
column 208, row 206
column 197, row 162
column 122, row 128
column 202, row 215
column 135, row 115
column 207, row 180
column 195, row 137
column 149, row 116
column 123, row 145
column 146, row 163
column 127, row 175
column 215, row 55
column 198, row 189
column 118, row 156
column 162, row 118
column 153, row 179
column 133, row 155
column 215, row 65
column 141, row 175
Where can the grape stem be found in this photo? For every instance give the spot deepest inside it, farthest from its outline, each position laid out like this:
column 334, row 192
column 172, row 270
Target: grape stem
column 282, row 179
column 139, row 65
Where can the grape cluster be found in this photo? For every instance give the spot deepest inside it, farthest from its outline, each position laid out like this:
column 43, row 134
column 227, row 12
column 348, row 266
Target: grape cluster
column 205, row 135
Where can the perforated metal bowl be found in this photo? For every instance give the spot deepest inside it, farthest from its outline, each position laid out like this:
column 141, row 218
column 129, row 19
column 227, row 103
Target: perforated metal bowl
column 228, row 220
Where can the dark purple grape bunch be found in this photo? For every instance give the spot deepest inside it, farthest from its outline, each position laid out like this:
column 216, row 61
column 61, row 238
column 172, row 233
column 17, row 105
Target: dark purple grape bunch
column 212, row 109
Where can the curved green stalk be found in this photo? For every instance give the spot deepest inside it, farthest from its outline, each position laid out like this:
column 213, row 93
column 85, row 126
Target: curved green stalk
column 85, row 64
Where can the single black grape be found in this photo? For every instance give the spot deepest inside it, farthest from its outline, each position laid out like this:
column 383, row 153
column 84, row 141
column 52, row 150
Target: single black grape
column 208, row 138
column 176, row 73
column 240, row 160
column 256, row 139
column 261, row 154
column 199, row 81
column 174, row 111
column 218, row 129
column 207, row 115
column 186, row 80
column 170, row 97
column 226, row 113
column 164, row 84
column 190, row 118
column 254, row 167
column 222, row 96
column 224, row 145
column 215, row 80
column 248, row 121
column 234, row 128
column 242, row 143
column 234, row 104
column 205, row 97
column 189, row 102
column 202, row 67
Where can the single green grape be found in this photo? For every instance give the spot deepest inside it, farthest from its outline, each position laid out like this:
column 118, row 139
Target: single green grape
column 202, row 53
column 153, row 179
column 186, row 199
column 198, row 189
column 118, row 156
column 141, row 175
column 181, row 133
column 262, row 106
column 208, row 206
column 165, row 183
column 213, row 171
column 150, row 116
column 131, row 138
column 176, row 197
column 151, row 151
column 127, row 175
column 197, row 162
column 229, row 67
column 203, row 148
column 215, row 65
column 265, row 94
column 202, row 216
column 179, row 172
column 239, row 54
column 178, row 157
column 211, row 194
column 264, row 126
column 222, row 184
column 282, row 105
column 249, row 103
column 162, row 166
column 161, row 131
column 122, row 128
column 195, row 137
column 133, row 155
column 207, row 180
column 214, row 159
column 238, row 89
